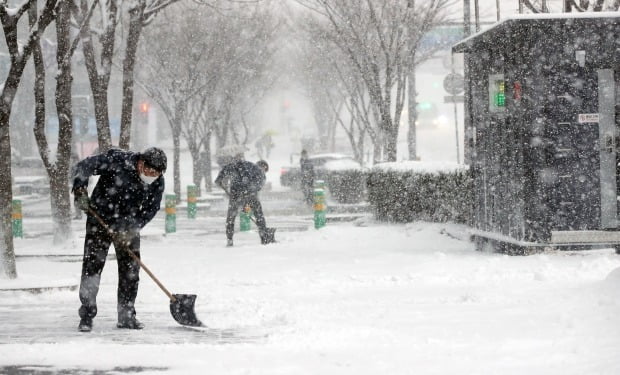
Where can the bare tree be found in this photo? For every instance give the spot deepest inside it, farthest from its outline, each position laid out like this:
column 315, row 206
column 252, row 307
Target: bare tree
column 206, row 82
column 19, row 52
column 100, row 68
column 375, row 36
column 317, row 70
column 336, row 88
column 58, row 169
column 141, row 14
column 176, row 72
column 422, row 19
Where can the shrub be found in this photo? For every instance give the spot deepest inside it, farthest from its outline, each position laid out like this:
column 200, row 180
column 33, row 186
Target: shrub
column 347, row 186
column 408, row 191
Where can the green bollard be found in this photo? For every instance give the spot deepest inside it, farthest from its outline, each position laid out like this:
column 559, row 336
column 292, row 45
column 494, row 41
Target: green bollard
column 192, row 198
column 319, row 184
column 18, row 230
column 319, row 208
column 244, row 219
column 171, row 213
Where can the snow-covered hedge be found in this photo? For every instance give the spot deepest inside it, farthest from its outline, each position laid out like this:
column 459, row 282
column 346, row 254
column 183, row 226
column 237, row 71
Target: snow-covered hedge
column 414, row 190
column 347, row 185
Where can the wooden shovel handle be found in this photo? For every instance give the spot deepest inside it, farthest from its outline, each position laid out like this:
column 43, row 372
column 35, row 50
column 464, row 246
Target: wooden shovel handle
column 134, row 256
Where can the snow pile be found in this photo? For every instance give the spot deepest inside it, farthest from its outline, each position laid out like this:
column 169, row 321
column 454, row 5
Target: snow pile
column 359, row 298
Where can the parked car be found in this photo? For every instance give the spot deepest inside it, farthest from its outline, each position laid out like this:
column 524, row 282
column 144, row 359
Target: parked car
column 29, row 176
column 343, row 176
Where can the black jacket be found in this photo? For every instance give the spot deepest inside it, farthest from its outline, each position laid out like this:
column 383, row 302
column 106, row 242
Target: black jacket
column 120, row 197
column 245, row 178
column 307, row 171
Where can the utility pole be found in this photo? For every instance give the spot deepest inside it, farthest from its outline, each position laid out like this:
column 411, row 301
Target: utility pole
column 466, row 18
column 497, row 7
column 412, row 114
column 477, row 15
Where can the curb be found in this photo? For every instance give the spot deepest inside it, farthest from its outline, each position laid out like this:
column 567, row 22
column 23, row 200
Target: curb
column 41, row 289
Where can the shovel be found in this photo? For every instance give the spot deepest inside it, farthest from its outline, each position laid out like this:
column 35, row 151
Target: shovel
column 181, row 305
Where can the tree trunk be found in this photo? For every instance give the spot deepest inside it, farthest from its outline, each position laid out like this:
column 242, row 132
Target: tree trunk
column 133, row 37
column 391, row 139
column 59, row 176
column 176, row 141
column 100, row 101
column 6, row 194
column 99, row 82
column 7, row 254
column 19, row 57
column 207, row 171
column 377, row 149
column 412, row 115
column 195, row 154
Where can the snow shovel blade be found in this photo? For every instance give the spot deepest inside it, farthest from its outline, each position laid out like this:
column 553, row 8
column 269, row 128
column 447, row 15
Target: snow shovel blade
column 182, row 310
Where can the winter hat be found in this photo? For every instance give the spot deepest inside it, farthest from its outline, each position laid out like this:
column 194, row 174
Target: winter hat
column 263, row 164
column 155, row 158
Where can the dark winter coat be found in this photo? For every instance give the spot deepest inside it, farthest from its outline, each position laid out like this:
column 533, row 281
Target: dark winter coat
column 246, row 178
column 307, row 172
column 120, row 197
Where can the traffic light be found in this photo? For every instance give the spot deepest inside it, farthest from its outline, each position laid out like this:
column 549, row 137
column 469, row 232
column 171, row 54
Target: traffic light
column 497, row 93
column 499, row 97
column 143, row 112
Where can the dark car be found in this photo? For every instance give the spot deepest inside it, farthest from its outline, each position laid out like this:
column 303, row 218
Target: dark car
column 342, row 174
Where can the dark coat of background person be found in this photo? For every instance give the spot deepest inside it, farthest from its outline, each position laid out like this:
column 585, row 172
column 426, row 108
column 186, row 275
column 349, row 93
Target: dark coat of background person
column 243, row 180
column 307, row 177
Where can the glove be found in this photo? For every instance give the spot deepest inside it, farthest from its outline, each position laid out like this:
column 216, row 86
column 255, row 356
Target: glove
column 81, row 199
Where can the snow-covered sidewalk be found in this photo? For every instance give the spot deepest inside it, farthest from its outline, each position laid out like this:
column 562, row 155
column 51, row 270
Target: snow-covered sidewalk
column 352, row 298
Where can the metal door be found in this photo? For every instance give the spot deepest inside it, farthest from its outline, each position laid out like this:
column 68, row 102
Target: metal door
column 607, row 140
column 574, row 155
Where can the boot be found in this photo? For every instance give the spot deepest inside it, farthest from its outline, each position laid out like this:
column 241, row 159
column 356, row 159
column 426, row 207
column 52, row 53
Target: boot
column 87, row 313
column 229, row 242
column 86, row 325
column 268, row 236
column 127, row 319
column 132, row 323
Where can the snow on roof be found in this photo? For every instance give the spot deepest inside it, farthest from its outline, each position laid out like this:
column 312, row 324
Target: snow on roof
column 342, row 165
column 329, row 155
column 535, row 16
column 428, row 167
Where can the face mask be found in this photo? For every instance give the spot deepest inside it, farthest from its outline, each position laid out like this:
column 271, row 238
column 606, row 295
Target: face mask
column 147, row 179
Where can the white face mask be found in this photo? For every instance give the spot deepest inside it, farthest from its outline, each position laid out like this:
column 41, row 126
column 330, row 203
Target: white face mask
column 148, row 179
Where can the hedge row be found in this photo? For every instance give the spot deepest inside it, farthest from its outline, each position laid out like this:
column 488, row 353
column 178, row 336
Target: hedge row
column 408, row 195
column 347, row 186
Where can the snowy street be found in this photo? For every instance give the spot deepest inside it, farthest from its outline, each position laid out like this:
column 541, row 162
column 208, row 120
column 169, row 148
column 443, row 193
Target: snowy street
column 352, row 298
column 390, row 155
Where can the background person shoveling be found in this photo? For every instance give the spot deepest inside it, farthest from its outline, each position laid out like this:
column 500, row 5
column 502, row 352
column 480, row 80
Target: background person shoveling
column 242, row 180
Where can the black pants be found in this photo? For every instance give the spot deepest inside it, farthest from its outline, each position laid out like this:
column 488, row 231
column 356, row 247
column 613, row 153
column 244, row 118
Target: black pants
column 235, row 204
column 307, row 188
column 96, row 245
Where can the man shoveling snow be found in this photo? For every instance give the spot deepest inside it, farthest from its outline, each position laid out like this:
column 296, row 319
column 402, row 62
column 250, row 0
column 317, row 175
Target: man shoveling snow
column 242, row 180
